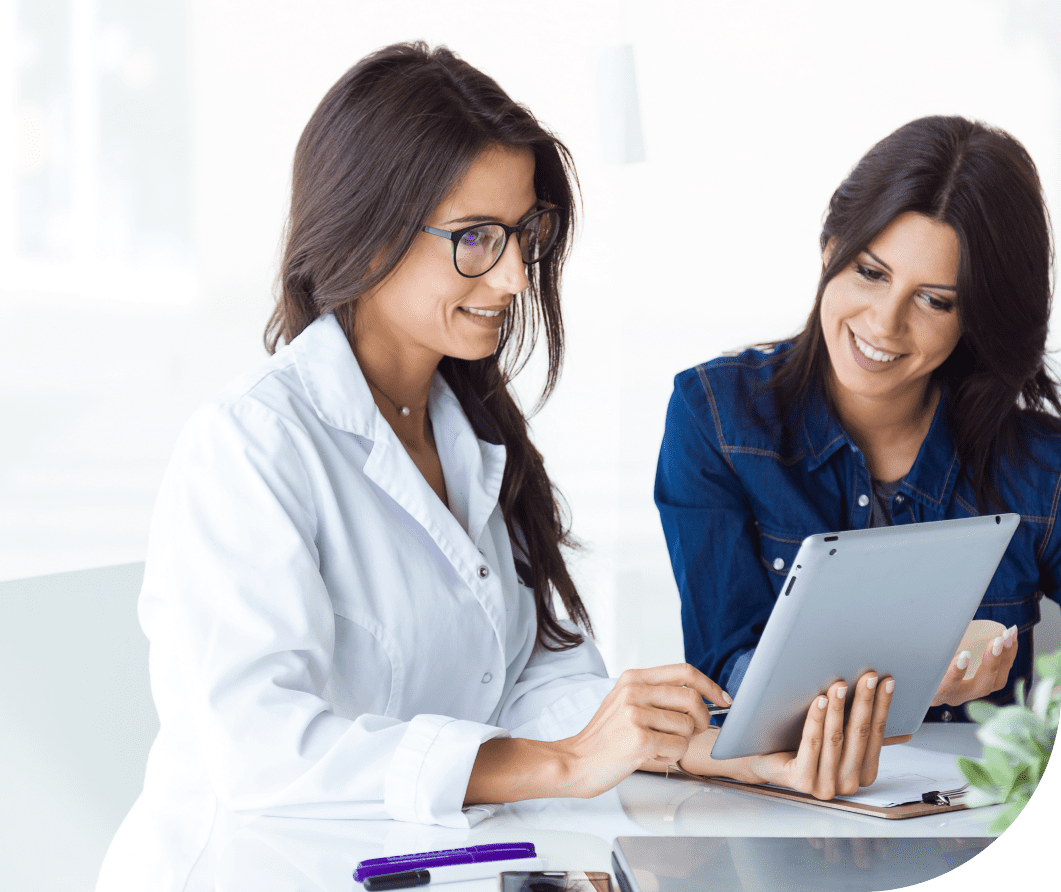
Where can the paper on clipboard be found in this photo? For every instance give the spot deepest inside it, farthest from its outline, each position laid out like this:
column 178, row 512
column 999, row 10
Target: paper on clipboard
column 906, row 773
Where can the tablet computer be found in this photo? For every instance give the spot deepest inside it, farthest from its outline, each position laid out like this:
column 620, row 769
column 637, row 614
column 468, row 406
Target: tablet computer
column 893, row 599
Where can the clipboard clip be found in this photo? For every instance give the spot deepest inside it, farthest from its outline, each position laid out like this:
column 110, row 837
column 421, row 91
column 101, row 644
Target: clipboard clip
column 945, row 797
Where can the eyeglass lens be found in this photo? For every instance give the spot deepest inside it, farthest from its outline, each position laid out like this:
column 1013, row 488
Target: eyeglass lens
column 479, row 248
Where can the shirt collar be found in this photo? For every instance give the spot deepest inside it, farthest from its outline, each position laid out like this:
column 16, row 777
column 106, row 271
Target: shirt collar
column 935, row 471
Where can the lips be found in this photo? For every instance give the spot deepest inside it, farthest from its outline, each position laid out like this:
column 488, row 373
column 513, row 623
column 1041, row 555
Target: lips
column 868, row 357
column 488, row 314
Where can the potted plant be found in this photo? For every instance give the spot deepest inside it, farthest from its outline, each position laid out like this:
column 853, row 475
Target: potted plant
column 1018, row 740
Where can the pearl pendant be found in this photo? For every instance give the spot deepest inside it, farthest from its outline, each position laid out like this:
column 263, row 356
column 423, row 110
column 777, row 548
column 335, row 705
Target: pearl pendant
column 404, row 411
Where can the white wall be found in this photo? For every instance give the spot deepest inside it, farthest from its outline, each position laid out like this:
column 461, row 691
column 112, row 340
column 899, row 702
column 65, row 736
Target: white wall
column 751, row 113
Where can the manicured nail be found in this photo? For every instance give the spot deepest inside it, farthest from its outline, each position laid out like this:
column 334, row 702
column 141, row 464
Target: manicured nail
column 727, row 697
column 889, row 685
column 822, row 702
column 841, row 692
column 1010, row 637
column 963, row 659
column 996, row 647
column 871, row 682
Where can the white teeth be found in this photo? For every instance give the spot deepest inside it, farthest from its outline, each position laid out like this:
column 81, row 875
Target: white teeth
column 870, row 353
column 482, row 312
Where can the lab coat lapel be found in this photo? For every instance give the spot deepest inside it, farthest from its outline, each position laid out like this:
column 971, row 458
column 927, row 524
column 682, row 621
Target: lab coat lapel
column 473, row 469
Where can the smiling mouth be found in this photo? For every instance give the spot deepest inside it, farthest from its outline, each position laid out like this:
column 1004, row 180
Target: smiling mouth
column 871, row 352
column 488, row 314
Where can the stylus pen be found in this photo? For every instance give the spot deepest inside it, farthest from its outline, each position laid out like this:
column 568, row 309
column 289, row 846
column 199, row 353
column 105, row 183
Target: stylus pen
column 717, row 710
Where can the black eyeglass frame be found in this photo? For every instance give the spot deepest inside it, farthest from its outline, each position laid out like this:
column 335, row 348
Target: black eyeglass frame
column 457, row 234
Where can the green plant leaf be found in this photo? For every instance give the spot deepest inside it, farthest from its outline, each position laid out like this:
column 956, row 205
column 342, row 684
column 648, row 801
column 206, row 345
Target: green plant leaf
column 981, row 711
column 976, row 774
column 1008, row 816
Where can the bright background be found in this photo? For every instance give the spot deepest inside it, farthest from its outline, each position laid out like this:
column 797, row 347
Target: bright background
column 144, row 172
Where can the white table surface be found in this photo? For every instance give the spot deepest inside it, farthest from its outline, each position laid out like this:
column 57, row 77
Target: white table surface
column 300, row 855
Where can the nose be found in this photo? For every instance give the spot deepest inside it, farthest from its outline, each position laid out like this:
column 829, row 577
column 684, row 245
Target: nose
column 888, row 316
column 509, row 274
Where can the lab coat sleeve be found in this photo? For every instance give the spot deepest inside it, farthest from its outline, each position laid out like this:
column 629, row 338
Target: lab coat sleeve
column 557, row 692
column 242, row 635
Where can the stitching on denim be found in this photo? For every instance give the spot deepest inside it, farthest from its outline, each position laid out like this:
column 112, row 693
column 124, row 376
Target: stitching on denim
column 765, row 453
column 714, row 414
column 972, row 511
column 938, row 500
column 986, row 603
column 1050, row 523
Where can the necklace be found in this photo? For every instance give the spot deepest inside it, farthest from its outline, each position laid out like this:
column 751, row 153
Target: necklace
column 402, row 410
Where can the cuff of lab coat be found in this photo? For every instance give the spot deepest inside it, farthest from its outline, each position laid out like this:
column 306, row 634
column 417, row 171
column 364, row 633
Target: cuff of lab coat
column 428, row 776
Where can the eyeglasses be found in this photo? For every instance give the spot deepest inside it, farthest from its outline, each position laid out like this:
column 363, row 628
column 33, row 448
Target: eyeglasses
column 476, row 249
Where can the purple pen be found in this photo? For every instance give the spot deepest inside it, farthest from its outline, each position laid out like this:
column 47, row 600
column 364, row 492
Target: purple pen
column 498, row 851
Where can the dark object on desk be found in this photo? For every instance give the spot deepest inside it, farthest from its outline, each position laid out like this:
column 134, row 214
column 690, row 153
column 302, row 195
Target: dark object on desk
column 779, row 864
column 406, row 880
column 555, row 881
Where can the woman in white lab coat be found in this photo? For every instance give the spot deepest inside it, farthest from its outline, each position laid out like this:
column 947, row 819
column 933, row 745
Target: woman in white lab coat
column 352, row 562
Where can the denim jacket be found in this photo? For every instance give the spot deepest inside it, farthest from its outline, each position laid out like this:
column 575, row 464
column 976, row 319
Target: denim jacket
column 736, row 500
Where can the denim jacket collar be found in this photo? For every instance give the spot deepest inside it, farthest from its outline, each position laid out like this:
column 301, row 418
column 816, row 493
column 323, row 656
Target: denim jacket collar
column 935, row 471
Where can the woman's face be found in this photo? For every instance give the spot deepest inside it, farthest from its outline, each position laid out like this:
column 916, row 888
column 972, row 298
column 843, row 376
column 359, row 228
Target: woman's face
column 425, row 309
column 891, row 317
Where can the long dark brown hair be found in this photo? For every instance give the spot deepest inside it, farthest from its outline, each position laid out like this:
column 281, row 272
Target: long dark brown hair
column 387, row 143
column 982, row 183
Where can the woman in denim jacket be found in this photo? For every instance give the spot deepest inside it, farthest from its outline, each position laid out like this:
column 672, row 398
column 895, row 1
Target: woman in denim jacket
column 917, row 391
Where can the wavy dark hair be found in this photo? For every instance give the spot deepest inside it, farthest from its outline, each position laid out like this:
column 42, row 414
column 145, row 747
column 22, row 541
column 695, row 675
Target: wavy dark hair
column 387, row 143
column 982, row 183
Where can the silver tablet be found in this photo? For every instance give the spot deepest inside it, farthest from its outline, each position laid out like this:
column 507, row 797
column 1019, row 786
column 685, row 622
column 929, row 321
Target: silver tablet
column 893, row 599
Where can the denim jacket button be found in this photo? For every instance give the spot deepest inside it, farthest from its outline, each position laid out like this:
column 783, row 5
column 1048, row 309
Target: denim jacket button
column 779, row 563
column 899, row 499
column 863, row 500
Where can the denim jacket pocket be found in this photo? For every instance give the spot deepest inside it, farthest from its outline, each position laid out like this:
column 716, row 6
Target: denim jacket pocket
column 777, row 551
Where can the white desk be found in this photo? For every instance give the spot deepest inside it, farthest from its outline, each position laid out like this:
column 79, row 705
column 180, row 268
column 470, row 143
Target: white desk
column 287, row 854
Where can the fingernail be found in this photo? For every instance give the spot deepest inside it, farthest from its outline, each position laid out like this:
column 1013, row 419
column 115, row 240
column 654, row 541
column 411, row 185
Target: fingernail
column 727, row 698
column 963, row 659
column 889, row 685
column 996, row 647
column 1010, row 636
column 822, row 702
column 841, row 692
column 871, row 682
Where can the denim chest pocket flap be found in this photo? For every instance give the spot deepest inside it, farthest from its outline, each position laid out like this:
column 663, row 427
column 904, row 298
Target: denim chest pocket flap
column 777, row 551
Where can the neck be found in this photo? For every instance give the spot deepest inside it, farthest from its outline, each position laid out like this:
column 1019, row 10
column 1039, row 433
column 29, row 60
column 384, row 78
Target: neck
column 400, row 382
column 888, row 430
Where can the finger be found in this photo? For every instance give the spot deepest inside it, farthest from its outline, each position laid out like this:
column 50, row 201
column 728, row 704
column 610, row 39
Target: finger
column 871, row 758
column 899, row 738
column 832, row 742
column 689, row 676
column 857, row 734
column 805, row 765
column 860, row 853
column 670, row 697
column 952, row 679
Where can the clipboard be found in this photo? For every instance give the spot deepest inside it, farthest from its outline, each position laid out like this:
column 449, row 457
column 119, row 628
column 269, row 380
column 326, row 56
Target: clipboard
column 933, row 802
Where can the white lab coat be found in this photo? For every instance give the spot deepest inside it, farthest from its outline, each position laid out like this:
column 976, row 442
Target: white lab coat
column 327, row 639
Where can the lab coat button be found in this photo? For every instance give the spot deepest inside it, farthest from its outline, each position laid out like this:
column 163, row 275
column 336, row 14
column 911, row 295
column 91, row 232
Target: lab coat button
column 487, row 678
column 484, row 572
column 863, row 500
column 779, row 563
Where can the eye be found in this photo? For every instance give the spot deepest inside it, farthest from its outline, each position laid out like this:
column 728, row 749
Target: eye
column 868, row 273
column 480, row 239
column 933, row 302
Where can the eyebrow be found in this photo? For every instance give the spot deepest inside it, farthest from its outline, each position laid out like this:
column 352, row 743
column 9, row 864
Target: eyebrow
column 486, row 218
column 889, row 269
